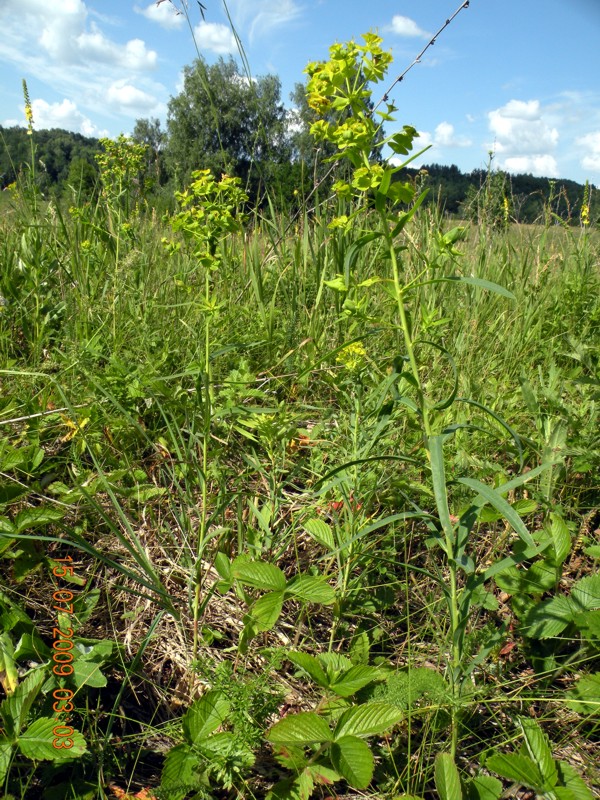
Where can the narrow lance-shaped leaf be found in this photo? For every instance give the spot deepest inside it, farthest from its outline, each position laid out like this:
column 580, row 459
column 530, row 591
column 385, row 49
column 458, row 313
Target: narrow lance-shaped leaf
column 499, row 503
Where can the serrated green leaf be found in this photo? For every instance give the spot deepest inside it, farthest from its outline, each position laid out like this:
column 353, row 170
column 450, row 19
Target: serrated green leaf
column 306, row 785
column 561, row 537
column 259, row 574
column 266, row 610
column 368, row 719
column 36, row 517
column 181, row 770
column 447, row 780
column 14, row 709
column 334, row 663
column 539, row 751
column 37, row 742
column 517, row 768
column 586, row 593
column 354, row 679
column 593, row 550
column 353, row 759
column 572, row 782
column 360, row 648
column 311, row 589
column 205, row 716
column 321, row 532
column 6, row 748
column 549, row 618
column 323, row 774
column 303, row 728
column 588, row 624
column 584, row 697
column 311, row 666
column 287, row 789
column 540, row 577
column 484, row 787
column 291, row 757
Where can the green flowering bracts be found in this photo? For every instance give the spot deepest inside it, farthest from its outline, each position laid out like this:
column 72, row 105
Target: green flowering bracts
column 339, row 90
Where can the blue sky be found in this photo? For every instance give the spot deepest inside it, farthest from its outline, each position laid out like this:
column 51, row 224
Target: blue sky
column 518, row 77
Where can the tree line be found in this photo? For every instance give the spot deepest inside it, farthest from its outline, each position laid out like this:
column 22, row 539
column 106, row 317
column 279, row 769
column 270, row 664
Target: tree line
column 226, row 121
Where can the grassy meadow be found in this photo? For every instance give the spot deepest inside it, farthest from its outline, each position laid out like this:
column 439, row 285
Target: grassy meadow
column 296, row 506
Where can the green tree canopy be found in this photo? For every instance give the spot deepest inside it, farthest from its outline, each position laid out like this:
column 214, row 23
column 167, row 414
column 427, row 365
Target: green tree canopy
column 226, row 122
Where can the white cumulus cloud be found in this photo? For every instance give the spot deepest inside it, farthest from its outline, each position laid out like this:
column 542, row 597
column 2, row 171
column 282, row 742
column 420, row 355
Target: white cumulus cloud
column 590, row 146
column 446, row 137
column 525, row 138
column 64, row 115
column 215, row 37
column 543, row 166
column 405, row 26
column 125, row 98
column 164, row 13
column 520, row 128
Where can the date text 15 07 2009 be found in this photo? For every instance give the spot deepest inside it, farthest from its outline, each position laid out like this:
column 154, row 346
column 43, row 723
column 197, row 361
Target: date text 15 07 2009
column 62, row 657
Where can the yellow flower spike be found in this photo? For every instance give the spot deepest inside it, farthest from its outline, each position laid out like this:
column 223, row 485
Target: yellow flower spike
column 28, row 110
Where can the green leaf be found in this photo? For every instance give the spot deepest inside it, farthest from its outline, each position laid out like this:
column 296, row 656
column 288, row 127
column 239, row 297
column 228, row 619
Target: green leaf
column 205, row 716
column 440, row 490
column 181, row 772
column 311, row 666
column 36, row 517
column 517, row 768
column 323, row 774
column 593, row 550
column 303, row 728
column 586, row 592
column 484, row 787
column 353, row 759
column 266, row 610
column 588, row 624
column 500, row 504
column 549, row 618
column 311, row 589
column 354, row 679
column 259, row 574
column 88, row 673
column 9, row 675
column 584, row 697
column 5, row 756
column 338, row 284
column 37, row 742
column 483, row 284
column 15, row 708
column 447, row 780
column 321, row 532
column 368, row 719
column 572, row 782
column 539, row 751
column 291, row 757
column 560, row 536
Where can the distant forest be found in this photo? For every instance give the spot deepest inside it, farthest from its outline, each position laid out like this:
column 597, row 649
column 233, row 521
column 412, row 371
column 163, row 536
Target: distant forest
column 65, row 159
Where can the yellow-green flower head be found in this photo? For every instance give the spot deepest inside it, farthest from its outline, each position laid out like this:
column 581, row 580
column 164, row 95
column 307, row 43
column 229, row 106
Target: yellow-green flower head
column 352, row 356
